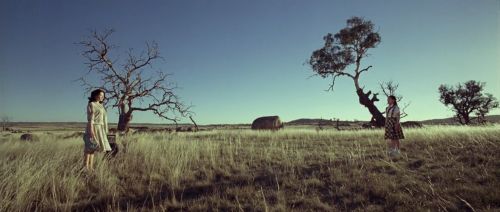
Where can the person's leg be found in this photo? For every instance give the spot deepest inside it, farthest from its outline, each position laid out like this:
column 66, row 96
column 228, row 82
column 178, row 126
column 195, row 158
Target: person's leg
column 397, row 145
column 394, row 144
column 89, row 160
column 86, row 160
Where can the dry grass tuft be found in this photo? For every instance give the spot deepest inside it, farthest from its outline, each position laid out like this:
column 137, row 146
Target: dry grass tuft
column 439, row 169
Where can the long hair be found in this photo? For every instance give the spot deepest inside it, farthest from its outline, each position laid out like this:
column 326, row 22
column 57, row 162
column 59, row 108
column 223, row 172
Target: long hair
column 393, row 98
column 94, row 94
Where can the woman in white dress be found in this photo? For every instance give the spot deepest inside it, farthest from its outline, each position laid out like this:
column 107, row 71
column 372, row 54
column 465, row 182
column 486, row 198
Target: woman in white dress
column 95, row 136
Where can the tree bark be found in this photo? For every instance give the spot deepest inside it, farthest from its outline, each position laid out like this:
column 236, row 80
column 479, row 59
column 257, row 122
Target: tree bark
column 195, row 125
column 369, row 103
column 466, row 118
column 124, row 122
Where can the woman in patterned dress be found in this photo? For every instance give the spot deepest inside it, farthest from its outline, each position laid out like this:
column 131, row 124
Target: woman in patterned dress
column 95, row 136
column 393, row 128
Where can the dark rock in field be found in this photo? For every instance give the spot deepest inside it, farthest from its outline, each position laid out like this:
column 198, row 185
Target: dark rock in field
column 29, row 137
column 190, row 129
column 179, row 129
column 267, row 123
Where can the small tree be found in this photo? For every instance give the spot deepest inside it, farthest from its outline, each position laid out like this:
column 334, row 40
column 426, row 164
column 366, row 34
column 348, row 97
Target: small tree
column 5, row 121
column 125, row 84
column 467, row 98
column 345, row 48
column 389, row 88
column 320, row 125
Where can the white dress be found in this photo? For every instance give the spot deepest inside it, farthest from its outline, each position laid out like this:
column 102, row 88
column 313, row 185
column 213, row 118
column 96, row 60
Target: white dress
column 97, row 120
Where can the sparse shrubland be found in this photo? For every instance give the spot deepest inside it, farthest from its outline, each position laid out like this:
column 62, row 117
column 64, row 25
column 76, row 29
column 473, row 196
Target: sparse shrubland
column 441, row 168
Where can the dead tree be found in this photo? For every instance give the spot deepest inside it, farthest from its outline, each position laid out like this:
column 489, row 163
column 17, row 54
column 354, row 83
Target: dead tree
column 337, row 124
column 320, row 125
column 125, row 83
column 5, row 121
column 195, row 125
column 389, row 88
column 345, row 48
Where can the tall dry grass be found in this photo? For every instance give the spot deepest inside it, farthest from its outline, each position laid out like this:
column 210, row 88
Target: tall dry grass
column 439, row 169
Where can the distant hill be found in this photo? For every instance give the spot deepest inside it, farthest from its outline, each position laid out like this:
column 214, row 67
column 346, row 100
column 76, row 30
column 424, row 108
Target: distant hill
column 305, row 121
column 491, row 118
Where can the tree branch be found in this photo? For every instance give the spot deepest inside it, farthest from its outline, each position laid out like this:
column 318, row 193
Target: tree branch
column 120, row 87
column 389, row 89
column 359, row 73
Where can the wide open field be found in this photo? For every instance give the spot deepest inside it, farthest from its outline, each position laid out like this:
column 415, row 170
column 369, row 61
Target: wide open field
column 441, row 168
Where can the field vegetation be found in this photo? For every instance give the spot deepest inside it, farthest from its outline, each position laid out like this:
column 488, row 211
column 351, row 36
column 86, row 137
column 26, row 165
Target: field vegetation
column 440, row 168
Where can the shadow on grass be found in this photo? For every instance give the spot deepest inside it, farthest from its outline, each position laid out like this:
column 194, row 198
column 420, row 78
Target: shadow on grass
column 147, row 201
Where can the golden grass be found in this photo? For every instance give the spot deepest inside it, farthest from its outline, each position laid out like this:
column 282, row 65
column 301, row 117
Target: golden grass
column 439, row 169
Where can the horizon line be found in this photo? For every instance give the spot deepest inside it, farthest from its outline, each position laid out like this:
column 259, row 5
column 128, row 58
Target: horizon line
column 112, row 123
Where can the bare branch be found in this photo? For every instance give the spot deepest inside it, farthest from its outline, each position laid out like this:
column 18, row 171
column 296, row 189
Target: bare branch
column 366, row 69
column 195, row 125
column 389, row 89
column 5, row 121
column 127, row 85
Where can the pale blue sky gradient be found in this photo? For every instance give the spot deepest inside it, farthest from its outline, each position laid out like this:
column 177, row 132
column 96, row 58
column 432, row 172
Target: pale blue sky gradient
column 238, row 60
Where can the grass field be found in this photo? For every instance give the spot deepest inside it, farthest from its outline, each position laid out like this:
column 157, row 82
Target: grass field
column 440, row 168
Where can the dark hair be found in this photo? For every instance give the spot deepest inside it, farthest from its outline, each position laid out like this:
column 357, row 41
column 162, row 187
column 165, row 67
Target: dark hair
column 94, row 95
column 393, row 98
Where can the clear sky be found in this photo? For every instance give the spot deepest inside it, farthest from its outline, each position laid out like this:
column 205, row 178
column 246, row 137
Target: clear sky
column 238, row 60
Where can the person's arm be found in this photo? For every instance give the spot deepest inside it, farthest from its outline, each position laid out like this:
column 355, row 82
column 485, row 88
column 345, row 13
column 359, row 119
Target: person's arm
column 90, row 118
column 398, row 115
column 105, row 120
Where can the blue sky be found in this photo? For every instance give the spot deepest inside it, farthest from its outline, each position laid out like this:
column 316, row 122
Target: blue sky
column 238, row 60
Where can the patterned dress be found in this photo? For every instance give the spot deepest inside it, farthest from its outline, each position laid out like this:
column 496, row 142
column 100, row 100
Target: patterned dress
column 97, row 121
column 390, row 124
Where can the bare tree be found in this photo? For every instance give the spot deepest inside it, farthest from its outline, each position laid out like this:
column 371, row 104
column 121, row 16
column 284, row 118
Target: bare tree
column 195, row 125
column 124, row 84
column 467, row 98
column 337, row 123
column 320, row 126
column 389, row 88
column 345, row 48
column 5, row 121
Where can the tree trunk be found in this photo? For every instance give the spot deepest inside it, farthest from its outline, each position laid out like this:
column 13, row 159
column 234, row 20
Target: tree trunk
column 369, row 103
column 466, row 118
column 195, row 125
column 124, row 122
